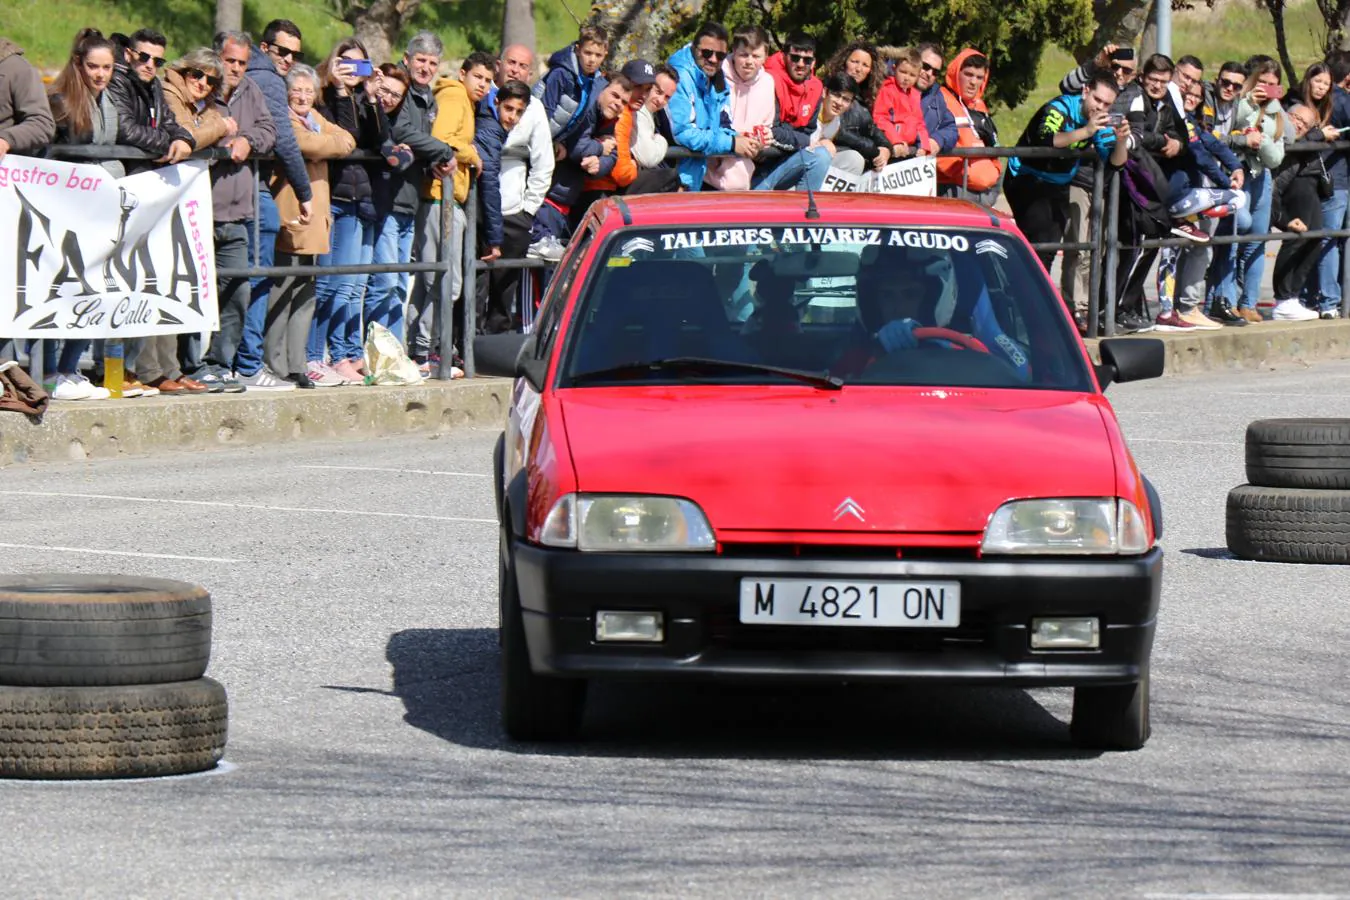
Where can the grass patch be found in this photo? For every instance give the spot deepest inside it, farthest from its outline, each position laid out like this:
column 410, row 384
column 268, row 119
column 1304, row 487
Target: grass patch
column 1236, row 29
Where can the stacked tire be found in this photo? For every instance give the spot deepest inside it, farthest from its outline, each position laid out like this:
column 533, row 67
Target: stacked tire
column 1296, row 505
column 102, row 677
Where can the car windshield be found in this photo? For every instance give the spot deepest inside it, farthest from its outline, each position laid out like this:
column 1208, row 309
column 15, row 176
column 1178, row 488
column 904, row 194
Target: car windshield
column 865, row 306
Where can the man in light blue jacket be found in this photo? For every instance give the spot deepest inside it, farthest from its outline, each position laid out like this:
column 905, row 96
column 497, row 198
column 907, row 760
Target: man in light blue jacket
column 698, row 109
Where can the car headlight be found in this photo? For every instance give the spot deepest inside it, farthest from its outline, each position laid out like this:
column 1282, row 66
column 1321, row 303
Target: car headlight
column 622, row 523
column 1105, row 525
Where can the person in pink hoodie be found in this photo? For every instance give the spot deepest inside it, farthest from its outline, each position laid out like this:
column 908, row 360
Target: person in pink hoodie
column 751, row 106
column 899, row 108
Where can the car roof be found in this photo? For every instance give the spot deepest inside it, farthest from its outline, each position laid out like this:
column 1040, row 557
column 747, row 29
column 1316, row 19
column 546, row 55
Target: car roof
column 781, row 207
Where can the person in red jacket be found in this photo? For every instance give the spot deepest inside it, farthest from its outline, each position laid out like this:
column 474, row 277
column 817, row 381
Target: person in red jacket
column 899, row 108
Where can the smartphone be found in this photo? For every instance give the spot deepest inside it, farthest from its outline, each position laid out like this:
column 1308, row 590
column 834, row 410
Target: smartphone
column 361, row 68
column 1115, row 120
column 1274, row 91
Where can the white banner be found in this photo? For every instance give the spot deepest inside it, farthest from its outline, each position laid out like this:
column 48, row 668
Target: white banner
column 912, row 177
column 84, row 255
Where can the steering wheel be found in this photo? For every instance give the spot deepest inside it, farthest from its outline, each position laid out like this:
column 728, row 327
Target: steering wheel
column 963, row 341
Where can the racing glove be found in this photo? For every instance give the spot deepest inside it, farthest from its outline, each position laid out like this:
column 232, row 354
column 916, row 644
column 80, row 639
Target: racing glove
column 898, row 335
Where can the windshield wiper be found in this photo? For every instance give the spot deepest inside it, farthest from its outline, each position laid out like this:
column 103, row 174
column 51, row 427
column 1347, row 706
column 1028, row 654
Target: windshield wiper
column 822, row 380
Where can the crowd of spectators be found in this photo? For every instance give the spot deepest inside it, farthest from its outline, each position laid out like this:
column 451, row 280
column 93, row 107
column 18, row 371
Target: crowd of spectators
column 1197, row 159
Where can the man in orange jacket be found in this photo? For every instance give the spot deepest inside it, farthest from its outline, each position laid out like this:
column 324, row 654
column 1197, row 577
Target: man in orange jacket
column 977, row 178
column 627, row 177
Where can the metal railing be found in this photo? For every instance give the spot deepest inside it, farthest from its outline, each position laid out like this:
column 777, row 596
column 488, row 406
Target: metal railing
column 1103, row 243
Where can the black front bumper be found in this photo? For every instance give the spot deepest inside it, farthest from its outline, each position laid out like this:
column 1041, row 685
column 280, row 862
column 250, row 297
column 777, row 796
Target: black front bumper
column 560, row 591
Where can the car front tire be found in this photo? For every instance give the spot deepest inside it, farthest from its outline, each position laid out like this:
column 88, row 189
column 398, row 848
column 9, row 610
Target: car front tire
column 1111, row 717
column 534, row 707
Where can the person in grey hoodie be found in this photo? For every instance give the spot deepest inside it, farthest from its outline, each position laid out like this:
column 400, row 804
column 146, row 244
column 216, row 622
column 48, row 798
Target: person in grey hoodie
column 26, row 121
column 268, row 64
column 25, row 115
column 232, row 197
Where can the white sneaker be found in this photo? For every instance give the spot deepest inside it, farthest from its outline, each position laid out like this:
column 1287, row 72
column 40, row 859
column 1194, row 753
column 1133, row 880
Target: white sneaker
column 77, row 387
column 547, row 248
column 1292, row 310
column 265, row 380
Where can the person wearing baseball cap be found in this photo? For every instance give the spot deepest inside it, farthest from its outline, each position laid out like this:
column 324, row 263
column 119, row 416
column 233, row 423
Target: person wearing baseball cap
column 625, row 177
column 643, row 75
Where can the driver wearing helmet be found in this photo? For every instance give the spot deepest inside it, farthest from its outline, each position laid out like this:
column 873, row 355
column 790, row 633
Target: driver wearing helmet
column 895, row 295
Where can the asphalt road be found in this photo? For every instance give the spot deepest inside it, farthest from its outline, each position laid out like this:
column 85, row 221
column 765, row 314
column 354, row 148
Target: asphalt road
column 355, row 630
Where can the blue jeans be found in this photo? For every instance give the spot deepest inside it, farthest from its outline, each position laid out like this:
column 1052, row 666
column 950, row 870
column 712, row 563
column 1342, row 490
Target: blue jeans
column 386, row 291
column 249, row 359
column 337, row 312
column 69, row 362
column 795, row 172
column 1329, row 263
column 1251, row 258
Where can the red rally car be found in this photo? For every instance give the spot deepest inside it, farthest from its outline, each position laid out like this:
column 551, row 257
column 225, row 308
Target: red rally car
column 761, row 436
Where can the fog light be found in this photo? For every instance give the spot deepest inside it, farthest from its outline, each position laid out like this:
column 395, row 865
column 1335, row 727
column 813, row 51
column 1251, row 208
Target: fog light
column 628, row 626
column 1065, row 634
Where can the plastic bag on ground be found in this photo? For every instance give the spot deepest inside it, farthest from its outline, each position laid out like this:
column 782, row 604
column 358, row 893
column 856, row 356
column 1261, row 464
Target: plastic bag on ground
column 386, row 359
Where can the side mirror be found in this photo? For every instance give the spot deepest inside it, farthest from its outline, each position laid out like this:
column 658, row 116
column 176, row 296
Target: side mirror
column 510, row 356
column 1130, row 359
column 495, row 354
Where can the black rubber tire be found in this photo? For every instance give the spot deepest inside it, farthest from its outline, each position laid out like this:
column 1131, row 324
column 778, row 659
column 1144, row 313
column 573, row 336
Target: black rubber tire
column 535, row 707
column 1299, row 453
column 136, row 731
column 1111, row 717
column 1289, row 525
column 102, row 630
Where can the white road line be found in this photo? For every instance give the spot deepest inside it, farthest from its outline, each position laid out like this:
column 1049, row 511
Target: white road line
column 1247, row 896
column 400, row 471
column 1273, row 394
column 216, row 559
column 1139, row 440
column 221, row 505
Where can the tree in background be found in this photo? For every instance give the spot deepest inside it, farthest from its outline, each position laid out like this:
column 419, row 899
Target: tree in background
column 518, row 23
column 229, row 15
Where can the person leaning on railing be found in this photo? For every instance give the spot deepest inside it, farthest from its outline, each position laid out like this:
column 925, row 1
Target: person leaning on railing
column 84, row 114
column 234, row 206
column 26, row 124
column 190, row 84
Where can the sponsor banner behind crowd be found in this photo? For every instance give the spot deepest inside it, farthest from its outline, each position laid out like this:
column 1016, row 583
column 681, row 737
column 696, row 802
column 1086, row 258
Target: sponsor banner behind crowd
column 913, row 178
column 84, row 255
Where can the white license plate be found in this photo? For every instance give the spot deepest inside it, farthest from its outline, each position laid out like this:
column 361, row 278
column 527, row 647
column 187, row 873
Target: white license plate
column 875, row 604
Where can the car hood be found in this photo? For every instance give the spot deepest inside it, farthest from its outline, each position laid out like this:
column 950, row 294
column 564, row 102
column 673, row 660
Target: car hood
column 916, row 460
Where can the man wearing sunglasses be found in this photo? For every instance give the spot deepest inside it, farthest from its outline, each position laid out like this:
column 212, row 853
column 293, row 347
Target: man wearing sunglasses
column 787, row 164
column 143, row 117
column 937, row 118
column 697, row 108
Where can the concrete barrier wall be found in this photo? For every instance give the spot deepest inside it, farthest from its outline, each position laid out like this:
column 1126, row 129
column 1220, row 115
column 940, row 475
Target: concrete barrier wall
column 138, row 426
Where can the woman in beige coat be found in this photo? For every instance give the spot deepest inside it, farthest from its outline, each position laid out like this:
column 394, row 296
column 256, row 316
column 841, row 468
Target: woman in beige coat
column 290, row 306
column 189, row 91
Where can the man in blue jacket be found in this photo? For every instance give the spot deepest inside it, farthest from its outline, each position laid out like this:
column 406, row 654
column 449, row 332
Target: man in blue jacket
column 937, row 118
column 268, row 64
column 697, row 111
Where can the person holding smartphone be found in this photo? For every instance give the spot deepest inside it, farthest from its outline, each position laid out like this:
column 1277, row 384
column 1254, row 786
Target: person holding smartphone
column 334, row 351
column 1260, row 122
